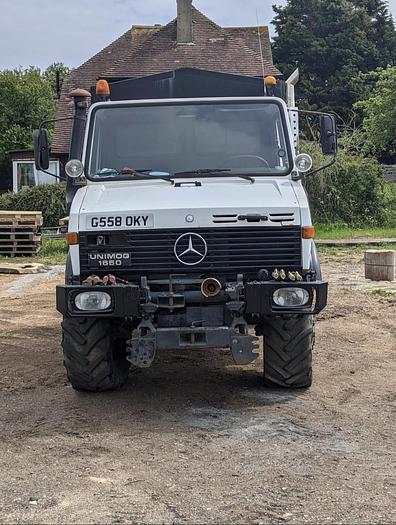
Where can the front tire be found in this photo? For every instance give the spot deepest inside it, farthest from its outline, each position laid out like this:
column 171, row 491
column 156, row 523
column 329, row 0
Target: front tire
column 288, row 346
column 94, row 354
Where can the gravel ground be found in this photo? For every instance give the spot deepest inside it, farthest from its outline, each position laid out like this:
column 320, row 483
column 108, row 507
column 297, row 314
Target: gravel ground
column 196, row 439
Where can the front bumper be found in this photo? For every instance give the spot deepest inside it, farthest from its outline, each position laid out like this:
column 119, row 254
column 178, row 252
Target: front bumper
column 126, row 300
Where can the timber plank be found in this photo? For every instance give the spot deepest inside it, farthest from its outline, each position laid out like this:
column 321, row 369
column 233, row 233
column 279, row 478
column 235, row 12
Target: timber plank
column 19, row 236
column 9, row 228
column 21, row 218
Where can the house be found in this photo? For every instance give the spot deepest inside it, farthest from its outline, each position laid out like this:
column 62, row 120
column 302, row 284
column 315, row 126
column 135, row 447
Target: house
column 190, row 41
column 24, row 172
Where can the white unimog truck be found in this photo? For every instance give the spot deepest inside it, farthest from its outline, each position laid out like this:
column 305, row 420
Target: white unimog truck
column 189, row 226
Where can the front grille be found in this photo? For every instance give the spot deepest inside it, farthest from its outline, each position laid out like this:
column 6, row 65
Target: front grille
column 231, row 251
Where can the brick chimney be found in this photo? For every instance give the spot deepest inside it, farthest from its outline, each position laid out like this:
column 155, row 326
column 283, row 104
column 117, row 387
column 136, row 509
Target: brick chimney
column 184, row 22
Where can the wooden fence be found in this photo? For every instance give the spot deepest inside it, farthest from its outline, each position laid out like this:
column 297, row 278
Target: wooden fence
column 389, row 172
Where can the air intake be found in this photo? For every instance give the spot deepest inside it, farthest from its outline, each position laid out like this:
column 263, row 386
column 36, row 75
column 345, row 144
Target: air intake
column 281, row 217
column 225, row 219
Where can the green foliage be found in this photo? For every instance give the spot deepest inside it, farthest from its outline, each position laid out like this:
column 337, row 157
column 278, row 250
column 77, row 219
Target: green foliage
column 351, row 193
column 333, row 42
column 50, row 75
column 26, row 100
column 379, row 112
column 337, row 231
column 50, row 199
column 380, row 292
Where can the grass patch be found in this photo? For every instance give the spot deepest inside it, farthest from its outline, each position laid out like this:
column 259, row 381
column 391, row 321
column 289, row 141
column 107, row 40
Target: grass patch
column 53, row 251
column 380, row 292
column 334, row 231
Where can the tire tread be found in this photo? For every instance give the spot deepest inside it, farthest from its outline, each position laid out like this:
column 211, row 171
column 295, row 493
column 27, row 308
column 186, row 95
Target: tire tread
column 88, row 349
column 288, row 345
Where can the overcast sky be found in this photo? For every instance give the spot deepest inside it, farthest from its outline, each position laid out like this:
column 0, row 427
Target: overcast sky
column 40, row 32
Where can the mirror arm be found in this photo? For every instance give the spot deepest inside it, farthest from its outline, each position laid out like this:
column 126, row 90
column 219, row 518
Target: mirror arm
column 54, row 120
column 324, row 166
column 317, row 170
column 63, row 179
column 310, row 112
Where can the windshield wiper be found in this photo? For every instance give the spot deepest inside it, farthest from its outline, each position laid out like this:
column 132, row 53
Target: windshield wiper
column 214, row 171
column 247, row 177
column 202, row 172
column 139, row 174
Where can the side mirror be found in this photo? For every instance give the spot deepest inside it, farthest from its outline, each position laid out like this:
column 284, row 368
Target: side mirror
column 41, row 149
column 328, row 134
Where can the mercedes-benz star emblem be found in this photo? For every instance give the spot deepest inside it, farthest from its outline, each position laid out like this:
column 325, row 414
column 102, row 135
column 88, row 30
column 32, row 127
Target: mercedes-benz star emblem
column 190, row 249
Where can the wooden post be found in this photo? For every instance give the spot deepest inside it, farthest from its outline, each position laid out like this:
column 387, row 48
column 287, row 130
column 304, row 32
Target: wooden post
column 380, row 265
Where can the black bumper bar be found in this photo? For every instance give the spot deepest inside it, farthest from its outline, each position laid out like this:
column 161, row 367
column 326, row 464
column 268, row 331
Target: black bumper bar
column 258, row 299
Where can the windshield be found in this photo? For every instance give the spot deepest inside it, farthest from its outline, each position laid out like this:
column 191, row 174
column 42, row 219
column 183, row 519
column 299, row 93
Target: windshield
column 173, row 139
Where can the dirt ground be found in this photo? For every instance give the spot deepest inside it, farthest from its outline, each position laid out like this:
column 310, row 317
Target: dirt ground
column 196, row 439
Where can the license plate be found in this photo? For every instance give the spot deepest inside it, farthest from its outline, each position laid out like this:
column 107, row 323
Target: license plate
column 109, row 259
column 121, row 221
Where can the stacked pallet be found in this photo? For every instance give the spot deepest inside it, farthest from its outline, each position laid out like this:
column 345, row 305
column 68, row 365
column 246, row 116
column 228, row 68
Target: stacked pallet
column 20, row 233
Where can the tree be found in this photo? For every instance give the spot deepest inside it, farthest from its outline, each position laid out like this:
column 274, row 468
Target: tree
column 26, row 100
column 50, row 75
column 379, row 112
column 332, row 42
column 380, row 30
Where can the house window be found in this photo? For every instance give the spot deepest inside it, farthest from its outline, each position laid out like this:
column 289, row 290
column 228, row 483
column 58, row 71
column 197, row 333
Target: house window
column 26, row 175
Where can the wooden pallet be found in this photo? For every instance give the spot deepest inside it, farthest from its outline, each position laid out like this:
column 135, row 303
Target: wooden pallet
column 20, row 233
column 22, row 244
column 19, row 229
column 9, row 245
column 21, row 218
column 19, row 236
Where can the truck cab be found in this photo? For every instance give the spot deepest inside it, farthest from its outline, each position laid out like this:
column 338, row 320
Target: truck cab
column 191, row 229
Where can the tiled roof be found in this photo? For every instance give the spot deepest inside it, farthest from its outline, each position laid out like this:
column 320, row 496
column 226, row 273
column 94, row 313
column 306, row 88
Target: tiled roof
column 86, row 75
column 214, row 49
column 151, row 50
column 249, row 36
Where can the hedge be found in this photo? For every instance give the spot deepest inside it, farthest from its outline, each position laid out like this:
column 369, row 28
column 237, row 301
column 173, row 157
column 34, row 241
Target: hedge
column 352, row 192
column 49, row 199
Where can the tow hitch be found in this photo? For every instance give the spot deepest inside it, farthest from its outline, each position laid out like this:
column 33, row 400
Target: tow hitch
column 196, row 334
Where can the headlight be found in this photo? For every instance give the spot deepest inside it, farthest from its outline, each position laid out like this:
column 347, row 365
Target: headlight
column 290, row 297
column 303, row 162
column 74, row 168
column 92, row 301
